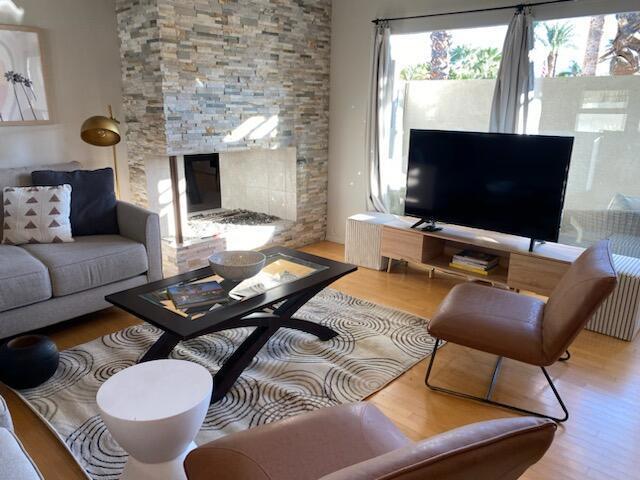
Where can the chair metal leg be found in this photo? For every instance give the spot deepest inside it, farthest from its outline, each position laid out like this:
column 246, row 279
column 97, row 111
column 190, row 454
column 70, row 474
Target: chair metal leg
column 487, row 398
column 565, row 357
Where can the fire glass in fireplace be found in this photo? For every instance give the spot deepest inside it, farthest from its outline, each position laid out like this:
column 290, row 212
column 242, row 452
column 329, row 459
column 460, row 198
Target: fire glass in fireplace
column 202, row 176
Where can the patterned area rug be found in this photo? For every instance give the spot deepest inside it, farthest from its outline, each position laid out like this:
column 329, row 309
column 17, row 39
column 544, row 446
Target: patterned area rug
column 294, row 373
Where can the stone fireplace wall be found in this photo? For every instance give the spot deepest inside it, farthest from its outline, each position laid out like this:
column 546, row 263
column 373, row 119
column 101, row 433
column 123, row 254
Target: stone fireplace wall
column 202, row 76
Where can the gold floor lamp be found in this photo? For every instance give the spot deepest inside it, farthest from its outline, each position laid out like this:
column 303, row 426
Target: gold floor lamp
column 103, row 132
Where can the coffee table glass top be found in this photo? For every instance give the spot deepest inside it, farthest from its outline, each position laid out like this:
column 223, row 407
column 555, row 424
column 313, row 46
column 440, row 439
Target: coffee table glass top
column 194, row 298
column 287, row 274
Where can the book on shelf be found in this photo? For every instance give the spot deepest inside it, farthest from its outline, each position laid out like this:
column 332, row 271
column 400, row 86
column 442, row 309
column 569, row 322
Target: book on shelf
column 474, row 258
column 472, row 269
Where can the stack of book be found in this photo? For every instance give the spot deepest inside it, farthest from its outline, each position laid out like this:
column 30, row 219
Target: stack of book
column 475, row 262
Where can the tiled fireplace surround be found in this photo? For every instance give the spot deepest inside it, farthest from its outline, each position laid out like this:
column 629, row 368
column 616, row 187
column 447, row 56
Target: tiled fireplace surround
column 248, row 79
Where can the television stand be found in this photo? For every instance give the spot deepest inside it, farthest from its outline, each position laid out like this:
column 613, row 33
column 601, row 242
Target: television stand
column 532, row 243
column 537, row 271
column 429, row 227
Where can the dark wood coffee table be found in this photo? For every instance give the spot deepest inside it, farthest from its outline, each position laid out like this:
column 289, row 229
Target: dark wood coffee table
column 268, row 311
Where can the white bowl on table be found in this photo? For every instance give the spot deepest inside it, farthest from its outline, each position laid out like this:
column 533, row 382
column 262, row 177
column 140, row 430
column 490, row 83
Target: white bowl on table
column 237, row 265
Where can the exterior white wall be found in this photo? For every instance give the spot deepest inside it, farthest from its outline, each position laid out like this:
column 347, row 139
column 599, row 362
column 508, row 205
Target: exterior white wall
column 82, row 58
column 602, row 112
column 352, row 44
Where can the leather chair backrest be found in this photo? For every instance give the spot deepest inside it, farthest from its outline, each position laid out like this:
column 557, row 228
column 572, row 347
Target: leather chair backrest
column 587, row 283
column 495, row 450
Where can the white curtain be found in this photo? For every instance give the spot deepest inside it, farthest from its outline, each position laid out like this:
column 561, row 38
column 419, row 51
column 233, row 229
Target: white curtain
column 515, row 77
column 380, row 117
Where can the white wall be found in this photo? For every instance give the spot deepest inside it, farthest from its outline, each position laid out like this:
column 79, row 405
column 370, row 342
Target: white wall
column 82, row 58
column 351, row 50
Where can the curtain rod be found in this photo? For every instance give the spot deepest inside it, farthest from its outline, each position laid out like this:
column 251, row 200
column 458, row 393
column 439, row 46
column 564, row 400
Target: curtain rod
column 518, row 6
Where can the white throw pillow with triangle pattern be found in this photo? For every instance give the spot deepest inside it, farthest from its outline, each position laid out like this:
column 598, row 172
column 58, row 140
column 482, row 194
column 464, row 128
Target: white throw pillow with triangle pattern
column 36, row 215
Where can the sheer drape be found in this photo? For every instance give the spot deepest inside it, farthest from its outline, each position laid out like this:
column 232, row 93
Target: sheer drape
column 381, row 118
column 515, row 77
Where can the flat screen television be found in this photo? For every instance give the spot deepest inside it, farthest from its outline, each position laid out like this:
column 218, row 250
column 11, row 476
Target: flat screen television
column 501, row 182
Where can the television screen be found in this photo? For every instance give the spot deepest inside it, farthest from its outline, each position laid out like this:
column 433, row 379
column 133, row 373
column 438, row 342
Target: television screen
column 502, row 182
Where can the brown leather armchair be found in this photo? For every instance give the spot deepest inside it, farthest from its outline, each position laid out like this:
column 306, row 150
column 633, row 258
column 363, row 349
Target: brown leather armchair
column 524, row 328
column 357, row 442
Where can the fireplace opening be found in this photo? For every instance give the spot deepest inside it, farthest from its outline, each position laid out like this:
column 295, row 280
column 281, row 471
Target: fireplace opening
column 202, row 178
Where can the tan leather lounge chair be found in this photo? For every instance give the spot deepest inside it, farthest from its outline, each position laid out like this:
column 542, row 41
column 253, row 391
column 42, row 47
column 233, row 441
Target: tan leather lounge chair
column 524, row 328
column 357, row 442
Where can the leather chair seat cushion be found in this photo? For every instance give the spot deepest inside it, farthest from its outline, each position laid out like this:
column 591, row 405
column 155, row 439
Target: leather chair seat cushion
column 90, row 262
column 23, row 279
column 492, row 320
column 304, row 447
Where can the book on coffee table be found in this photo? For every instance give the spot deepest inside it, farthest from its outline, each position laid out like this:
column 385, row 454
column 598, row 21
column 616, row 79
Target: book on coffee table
column 196, row 295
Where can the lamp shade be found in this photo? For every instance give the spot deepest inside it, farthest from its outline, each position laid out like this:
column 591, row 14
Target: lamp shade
column 100, row 131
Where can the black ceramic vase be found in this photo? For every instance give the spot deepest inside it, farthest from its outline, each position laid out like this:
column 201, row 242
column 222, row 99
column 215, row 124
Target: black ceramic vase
column 28, row 361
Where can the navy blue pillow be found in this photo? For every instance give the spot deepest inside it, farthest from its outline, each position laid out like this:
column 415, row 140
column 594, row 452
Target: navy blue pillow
column 93, row 199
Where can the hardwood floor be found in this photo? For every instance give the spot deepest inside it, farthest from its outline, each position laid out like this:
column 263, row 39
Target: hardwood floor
column 600, row 385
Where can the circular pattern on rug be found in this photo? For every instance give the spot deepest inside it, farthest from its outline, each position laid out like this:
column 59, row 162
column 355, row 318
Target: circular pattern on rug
column 74, row 365
column 139, row 336
column 106, row 371
column 45, row 407
column 237, row 404
column 357, row 378
column 357, row 325
column 101, row 456
column 289, row 345
column 205, row 351
column 288, row 406
column 336, row 297
column 411, row 336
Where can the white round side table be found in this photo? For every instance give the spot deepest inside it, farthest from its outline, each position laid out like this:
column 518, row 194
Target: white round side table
column 154, row 411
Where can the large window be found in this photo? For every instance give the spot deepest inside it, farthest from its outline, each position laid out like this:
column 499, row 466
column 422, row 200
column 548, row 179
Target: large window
column 445, row 80
column 587, row 85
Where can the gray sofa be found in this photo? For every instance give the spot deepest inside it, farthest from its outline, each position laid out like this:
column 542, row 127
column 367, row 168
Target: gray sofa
column 15, row 462
column 43, row 284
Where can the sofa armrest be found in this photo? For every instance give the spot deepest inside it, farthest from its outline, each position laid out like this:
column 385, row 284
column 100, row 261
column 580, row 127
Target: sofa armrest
column 5, row 416
column 15, row 462
column 143, row 226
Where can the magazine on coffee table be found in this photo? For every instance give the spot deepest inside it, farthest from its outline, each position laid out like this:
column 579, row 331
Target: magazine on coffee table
column 279, row 270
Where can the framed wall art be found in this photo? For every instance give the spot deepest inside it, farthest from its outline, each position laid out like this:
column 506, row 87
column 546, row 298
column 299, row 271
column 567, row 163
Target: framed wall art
column 23, row 92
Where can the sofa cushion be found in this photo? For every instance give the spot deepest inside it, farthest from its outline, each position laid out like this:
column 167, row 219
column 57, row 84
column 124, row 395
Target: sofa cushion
column 37, row 215
column 21, row 177
column 93, row 202
column 14, row 460
column 90, row 262
column 23, row 279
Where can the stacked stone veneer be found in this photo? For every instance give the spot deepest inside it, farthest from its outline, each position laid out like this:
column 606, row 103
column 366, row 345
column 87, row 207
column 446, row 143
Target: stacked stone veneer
column 196, row 70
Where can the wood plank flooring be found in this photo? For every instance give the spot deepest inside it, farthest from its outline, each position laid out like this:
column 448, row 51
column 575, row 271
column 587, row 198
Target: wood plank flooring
column 600, row 385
